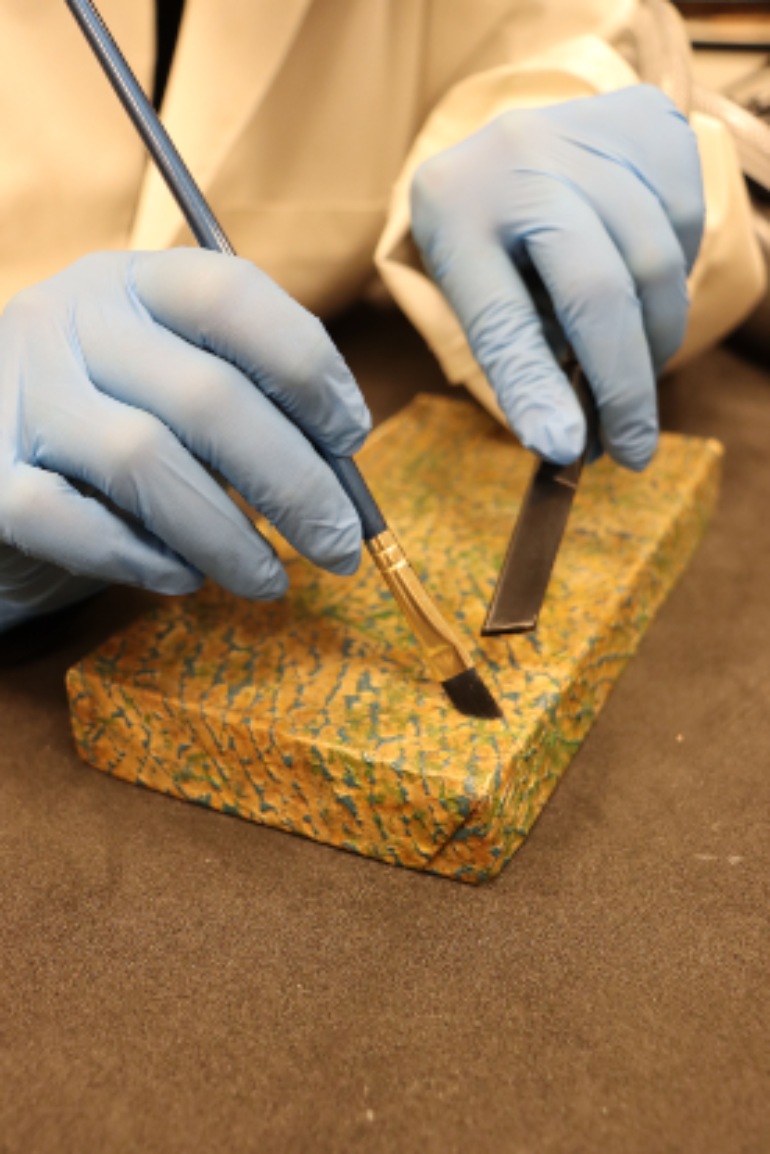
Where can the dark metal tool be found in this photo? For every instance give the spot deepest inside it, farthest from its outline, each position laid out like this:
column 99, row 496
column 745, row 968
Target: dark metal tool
column 445, row 655
column 538, row 532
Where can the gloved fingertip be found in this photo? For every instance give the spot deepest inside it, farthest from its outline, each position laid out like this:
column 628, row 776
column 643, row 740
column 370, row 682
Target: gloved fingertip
column 253, row 571
column 350, row 439
column 637, row 464
column 353, row 421
column 342, row 548
column 175, row 582
column 272, row 586
column 345, row 566
column 636, row 453
column 556, row 436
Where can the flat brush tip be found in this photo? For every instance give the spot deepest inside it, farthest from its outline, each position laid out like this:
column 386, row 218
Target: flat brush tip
column 469, row 694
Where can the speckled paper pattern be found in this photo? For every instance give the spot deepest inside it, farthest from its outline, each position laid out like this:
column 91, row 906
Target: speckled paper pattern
column 316, row 714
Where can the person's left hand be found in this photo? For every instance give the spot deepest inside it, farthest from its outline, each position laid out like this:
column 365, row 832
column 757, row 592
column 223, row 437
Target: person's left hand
column 603, row 197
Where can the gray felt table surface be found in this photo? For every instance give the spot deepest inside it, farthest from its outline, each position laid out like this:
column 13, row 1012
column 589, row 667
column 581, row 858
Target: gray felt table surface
column 173, row 980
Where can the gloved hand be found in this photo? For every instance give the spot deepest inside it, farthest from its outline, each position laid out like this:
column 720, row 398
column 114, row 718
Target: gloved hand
column 117, row 374
column 603, row 197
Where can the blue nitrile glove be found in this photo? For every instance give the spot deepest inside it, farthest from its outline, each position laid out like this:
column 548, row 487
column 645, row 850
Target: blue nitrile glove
column 603, row 197
column 126, row 371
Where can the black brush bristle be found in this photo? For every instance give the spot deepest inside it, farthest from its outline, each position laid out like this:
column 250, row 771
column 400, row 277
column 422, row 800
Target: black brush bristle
column 469, row 694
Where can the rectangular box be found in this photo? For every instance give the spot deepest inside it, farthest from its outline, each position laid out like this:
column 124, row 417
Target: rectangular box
column 316, row 715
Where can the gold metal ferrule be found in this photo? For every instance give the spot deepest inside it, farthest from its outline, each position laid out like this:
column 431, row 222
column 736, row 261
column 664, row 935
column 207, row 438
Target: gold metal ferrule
column 443, row 649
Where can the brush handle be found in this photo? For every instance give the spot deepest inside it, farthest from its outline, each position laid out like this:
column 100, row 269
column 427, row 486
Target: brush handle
column 351, row 478
column 203, row 224
column 196, row 210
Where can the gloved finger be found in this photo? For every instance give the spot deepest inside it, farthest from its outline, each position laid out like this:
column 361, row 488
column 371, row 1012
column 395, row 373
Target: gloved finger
column 658, row 148
column 645, row 238
column 595, row 300
column 221, row 417
column 44, row 516
column 666, row 158
column 231, row 308
column 506, row 337
column 140, row 466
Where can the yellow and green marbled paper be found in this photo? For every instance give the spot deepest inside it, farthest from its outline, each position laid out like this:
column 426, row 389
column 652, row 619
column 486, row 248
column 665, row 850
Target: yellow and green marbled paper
column 316, row 715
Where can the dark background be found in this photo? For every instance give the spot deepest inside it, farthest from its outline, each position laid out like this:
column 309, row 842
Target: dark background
column 174, row 980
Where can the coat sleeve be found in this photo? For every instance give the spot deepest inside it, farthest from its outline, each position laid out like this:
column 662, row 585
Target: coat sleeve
column 729, row 275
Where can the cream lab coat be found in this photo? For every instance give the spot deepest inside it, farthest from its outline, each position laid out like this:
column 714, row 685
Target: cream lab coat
column 303, row 121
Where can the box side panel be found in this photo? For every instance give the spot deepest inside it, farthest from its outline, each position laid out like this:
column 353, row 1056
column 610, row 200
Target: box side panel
column 330, row 793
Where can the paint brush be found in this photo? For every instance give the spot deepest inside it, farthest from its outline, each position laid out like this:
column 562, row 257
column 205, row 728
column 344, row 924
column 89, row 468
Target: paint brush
column 446, row 657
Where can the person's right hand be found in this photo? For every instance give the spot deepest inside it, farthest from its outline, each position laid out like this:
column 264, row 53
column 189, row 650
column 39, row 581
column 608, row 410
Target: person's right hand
column 125, row 374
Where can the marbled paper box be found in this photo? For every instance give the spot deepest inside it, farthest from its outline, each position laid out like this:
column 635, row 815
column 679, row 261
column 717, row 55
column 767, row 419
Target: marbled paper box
column 316, row 714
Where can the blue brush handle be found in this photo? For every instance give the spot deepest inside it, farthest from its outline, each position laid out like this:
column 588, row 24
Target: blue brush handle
column 197, row 212
column 350, row 477
column 204, row 225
